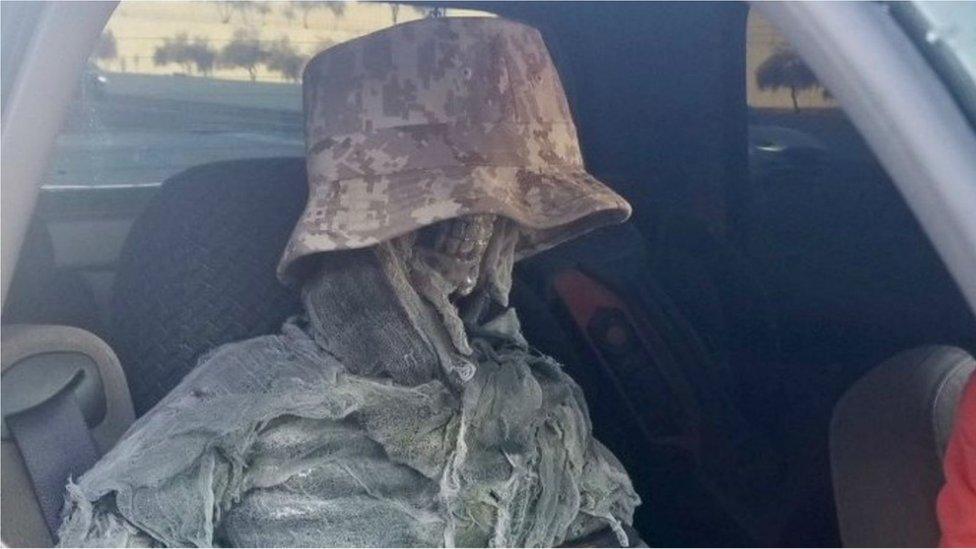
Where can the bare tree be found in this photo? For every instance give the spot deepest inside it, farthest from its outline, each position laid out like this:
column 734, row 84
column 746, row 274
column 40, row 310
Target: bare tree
column 106, row 47
column 181, row 51
column 243, row 51
column 243, row 8
column 785, row 69
column 337, row 8
column 285, row 60
column 225, row 8
column 202, row 55
column 174, row 50
column 306, row 8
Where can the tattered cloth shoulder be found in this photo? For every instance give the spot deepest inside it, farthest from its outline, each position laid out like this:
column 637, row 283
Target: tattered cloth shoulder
column 275, row 442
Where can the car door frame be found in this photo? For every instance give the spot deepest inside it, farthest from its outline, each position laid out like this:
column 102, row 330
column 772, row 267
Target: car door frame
column 45, row 82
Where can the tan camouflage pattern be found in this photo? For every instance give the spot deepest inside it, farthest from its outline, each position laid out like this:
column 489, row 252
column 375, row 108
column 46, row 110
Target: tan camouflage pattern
column 435, row 119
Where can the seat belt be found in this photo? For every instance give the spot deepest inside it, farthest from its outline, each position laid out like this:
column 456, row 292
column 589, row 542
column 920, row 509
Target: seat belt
column 56, row 445
column 660, row 379
column 634, row 354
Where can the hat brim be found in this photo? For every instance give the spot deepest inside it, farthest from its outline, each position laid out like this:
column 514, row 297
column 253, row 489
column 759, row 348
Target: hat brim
column 551, row 206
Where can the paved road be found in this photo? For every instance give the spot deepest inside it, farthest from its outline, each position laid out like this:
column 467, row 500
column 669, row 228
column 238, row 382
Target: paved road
column 143, row 129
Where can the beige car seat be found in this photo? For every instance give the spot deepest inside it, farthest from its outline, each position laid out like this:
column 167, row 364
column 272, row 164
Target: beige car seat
column 887, row 440
column 65, row 402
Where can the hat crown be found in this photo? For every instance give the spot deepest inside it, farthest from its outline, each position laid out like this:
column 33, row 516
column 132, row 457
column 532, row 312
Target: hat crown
column 436, row 119
column 467, row 70
column 437, row 93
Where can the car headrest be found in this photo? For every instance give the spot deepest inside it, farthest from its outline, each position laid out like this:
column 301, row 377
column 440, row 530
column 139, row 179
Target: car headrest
column 198, row 268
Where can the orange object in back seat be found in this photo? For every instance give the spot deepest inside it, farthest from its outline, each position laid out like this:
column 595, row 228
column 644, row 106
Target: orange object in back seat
column 957, row 500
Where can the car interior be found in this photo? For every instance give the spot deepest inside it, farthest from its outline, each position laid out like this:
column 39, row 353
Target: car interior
column 756, row 344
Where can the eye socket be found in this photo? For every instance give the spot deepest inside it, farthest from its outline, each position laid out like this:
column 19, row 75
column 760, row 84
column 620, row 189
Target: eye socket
column 456, row 233
column 429, row 235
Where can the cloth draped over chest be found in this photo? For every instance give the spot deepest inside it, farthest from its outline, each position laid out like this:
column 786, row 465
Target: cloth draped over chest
column 359, row 425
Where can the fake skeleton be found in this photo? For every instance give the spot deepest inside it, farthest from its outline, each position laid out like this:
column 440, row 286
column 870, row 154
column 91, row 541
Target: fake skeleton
column 367, row 425
column 404, row 407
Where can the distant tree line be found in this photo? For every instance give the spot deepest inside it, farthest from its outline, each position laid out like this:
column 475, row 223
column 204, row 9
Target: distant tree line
column 188, row 54
column 245, row 10
column 244, row 51
column 106, row 47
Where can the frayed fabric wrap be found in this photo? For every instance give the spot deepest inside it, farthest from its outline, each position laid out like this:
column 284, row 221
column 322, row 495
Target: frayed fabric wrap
column 352, row 427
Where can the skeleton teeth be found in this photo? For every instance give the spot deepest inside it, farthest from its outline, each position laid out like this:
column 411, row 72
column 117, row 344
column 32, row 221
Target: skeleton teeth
column 466, row 237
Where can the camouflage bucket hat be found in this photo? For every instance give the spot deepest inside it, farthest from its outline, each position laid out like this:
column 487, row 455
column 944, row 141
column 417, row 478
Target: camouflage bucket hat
column 436, row 119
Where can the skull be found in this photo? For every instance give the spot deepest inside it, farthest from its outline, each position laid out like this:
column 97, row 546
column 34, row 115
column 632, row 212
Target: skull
column 455, row 249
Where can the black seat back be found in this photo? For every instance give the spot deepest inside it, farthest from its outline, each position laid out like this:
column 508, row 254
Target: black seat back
column 198, row 269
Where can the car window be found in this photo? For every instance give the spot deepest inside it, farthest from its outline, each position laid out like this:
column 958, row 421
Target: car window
column 796, row 127
column 789, row 110
column 172, row 85
column 828, row 228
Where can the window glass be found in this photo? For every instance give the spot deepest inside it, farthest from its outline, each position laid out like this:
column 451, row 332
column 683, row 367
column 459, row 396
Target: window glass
column 788, row 107
column 845, row 261
column 796, row 127
column 172, row 85
column 777, row 77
